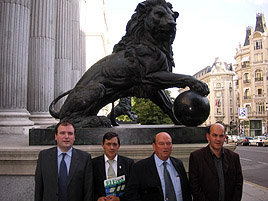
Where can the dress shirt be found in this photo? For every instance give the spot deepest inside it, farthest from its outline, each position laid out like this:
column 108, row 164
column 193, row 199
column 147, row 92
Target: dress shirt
column 173, row 174
column 219, row 169
column 67, row 159
column 114, row 165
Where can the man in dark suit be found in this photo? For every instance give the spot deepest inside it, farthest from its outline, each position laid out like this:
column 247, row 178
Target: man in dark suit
column 119, row 166
column 159, row 177
column 64, row 173
column 215, row 173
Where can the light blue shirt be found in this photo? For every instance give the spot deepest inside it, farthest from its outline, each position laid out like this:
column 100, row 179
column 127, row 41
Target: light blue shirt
column 67, row 159
column 173, row 174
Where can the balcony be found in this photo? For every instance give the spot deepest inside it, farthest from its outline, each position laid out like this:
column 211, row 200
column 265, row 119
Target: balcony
column 258, row 79
column 247, row 97
column 259, row 96
column 246, row 81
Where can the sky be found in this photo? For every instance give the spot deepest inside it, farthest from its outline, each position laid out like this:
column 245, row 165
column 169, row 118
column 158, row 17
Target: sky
column 206, row 29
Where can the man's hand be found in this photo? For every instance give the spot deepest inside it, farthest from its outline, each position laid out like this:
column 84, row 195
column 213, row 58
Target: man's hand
column 103, row 199
column 112, row 198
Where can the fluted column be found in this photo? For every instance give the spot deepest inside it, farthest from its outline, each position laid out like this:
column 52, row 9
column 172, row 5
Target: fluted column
column 41, row 61
column 14, row 43
column 63, row 62
column 76, row 46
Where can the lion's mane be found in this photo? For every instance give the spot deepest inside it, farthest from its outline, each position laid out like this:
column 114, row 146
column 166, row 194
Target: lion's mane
column 138, row 32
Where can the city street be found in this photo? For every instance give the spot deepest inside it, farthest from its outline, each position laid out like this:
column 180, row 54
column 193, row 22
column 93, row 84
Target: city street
column 254, row 161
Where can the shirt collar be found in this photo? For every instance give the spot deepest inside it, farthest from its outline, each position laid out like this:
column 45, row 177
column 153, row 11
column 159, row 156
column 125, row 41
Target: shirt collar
column 69, row 153
column 106, row 158
column 159, row 162
column 213, row 154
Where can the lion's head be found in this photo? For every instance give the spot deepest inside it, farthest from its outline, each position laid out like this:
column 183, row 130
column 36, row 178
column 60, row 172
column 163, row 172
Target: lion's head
column 153, row 23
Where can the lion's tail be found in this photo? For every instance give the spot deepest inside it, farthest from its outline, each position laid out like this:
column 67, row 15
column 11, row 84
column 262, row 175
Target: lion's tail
column 52, row 111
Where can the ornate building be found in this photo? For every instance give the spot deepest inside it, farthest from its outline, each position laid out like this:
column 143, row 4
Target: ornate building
column 252, row 71
column 220, row 80
column 46, row 46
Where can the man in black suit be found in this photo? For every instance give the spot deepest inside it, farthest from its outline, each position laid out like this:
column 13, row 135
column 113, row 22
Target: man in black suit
column 64, row 173
column 159, row 177
column 120, row 165
column 215, row 173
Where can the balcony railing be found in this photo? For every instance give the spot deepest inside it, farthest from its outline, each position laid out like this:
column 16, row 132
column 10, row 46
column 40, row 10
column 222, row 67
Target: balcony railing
column 247, row 97
column 246, row 81
column 258, row 79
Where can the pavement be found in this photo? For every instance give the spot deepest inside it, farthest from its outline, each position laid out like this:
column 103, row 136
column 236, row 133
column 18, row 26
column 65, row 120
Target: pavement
column 251, row 191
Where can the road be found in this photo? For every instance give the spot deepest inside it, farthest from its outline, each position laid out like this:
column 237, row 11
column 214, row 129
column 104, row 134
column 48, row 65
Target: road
column 254, row 161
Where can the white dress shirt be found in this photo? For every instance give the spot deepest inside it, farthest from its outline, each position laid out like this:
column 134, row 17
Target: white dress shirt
column 114, row 165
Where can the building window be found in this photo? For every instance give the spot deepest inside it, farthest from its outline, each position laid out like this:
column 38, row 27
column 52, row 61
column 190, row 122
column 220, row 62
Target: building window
column 246, row 78
column 218, row 85
column 246, row 94
column 257, row 45
column 258, row 58
column 260, row 109
column 258, row 76
column 245, row 64
column 248, row 109
column 259, row 91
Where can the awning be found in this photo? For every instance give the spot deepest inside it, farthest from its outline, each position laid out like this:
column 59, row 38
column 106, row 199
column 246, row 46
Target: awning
column 245, row 59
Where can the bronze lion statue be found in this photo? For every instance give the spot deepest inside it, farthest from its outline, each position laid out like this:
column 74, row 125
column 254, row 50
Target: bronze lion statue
column 140, row 65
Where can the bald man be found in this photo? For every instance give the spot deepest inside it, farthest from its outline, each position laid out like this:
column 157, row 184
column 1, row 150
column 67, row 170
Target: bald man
column 215, row 173
column 148, row 177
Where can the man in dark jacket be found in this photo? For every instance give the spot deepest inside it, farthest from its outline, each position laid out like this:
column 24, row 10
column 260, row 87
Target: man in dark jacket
column 159, row 177
column 214, row 172
column 102, row 168
column 64, row 173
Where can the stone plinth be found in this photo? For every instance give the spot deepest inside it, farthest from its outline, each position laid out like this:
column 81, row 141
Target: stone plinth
column 128, row 134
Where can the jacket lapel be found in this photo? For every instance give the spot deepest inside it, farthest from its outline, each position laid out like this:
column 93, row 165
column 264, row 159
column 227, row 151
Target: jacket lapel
column 101, row 168
column 53, row 166
column 210, row 161
column 73, row 165
column 120, row 166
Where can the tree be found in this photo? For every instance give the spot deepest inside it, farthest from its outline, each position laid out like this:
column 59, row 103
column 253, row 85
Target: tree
column 148, row 112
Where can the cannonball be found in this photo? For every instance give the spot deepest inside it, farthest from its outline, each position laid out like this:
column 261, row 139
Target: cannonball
column 191, row 109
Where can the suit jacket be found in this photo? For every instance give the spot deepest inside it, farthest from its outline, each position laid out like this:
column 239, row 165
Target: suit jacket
column 124, row 166
column 204, row 179
column 145, row 184
column 79, row 181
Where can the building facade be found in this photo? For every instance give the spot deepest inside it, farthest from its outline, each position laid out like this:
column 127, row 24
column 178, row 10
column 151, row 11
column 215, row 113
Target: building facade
column 46, row 46
column 220, row 78
column 252, row 73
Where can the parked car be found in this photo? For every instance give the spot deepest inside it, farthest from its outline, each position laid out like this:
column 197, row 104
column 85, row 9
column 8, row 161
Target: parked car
column 250, row 140
column 242, row 141
column 259, row 141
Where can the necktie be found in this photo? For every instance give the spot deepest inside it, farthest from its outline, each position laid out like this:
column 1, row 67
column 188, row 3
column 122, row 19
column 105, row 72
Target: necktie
column 170, row 192
column 111, row 173
column 63, row 179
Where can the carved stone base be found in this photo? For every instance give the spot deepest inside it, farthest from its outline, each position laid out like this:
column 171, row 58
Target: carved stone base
column 128, row 134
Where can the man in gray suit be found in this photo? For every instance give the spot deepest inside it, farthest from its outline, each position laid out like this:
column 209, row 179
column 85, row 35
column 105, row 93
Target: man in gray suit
column 63, row 172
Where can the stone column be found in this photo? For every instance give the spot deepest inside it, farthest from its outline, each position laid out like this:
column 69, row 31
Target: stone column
column 14, row 43
column 63, row 62
column 41, row 61
column 76, row 46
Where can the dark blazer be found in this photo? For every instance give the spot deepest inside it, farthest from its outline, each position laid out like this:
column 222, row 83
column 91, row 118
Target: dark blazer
column 145, row 184
column 80, row 179
column 124, row 166
column 204, row 178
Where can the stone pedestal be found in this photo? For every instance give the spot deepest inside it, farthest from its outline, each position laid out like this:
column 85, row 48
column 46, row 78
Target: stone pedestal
column 128, row 134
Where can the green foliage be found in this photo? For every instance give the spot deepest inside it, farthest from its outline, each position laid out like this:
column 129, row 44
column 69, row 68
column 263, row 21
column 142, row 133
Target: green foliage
column 148, row 113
